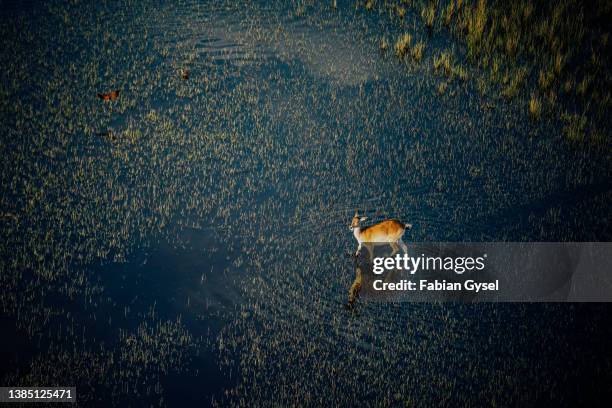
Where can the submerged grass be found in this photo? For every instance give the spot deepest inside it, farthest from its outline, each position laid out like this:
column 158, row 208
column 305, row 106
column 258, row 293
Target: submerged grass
column 417, row 51
column 535, row 107
column 444, row 62
column 401, row 12
column 575, row 126
column 428, row 13
column 402, row 45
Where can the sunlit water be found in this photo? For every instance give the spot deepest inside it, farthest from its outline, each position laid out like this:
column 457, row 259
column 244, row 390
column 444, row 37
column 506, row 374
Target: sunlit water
column 222, row 202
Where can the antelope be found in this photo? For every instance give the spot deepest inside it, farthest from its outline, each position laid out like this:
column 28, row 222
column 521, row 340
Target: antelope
column 385, row 232
column 110, row 96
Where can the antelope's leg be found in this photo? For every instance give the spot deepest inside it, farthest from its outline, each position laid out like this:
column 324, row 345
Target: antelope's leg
column 370, row 248
column 403, row 245
column 358, row 249
column 395, row 248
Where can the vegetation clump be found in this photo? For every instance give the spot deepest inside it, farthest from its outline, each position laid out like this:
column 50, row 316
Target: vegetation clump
column 402, row 45
column 554, row 48
column 514, row 82
column 417, row 51
column 384, row 44
column 442, row 86
column 535, row 107
column 575, row 126
column 444, row 62
column 546, row 79
column 401, row 12
column 429, row 14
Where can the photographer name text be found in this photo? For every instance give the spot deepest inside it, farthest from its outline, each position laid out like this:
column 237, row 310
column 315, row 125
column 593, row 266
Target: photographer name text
column 435, row 285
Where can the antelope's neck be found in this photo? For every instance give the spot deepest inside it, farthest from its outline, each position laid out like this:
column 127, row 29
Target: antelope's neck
column 357, row 233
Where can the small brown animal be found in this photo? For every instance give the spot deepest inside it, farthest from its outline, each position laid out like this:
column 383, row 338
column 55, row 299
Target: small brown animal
column 385, row 232
column 185, row 74
column 110, row 96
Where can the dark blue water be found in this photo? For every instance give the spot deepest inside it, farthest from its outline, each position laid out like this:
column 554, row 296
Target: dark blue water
column 188, row 242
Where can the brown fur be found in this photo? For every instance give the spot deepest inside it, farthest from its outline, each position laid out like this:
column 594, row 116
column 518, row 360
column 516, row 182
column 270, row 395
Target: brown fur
column 110, row 96
column 391, row 230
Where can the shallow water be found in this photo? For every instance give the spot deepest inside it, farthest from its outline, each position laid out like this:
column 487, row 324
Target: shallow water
column 221, row 205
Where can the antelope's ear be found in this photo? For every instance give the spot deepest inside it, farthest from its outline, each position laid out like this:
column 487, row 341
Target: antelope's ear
column 363, row 218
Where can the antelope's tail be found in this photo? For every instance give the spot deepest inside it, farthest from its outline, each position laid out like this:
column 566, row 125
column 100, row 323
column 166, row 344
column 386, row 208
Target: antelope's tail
column 407, row 226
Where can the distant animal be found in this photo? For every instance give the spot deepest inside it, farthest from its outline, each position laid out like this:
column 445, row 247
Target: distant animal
column 185, row 74
column 110, row 96
column 385, row 232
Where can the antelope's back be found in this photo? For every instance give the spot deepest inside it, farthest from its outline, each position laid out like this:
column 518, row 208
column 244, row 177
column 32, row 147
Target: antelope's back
column 384, row 231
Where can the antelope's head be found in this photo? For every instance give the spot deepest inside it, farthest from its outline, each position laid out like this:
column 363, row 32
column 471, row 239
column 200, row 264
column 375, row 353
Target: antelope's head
column 356, row 221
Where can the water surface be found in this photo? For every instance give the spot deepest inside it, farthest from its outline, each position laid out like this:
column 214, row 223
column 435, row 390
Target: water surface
column 208, row 217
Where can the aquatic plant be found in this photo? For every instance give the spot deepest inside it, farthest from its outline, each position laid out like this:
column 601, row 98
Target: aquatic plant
column 515, row 80
column 495, row 68
column 417, row 51
column 575, row 127
column 442, row 86
column 460, row 72
column 583, row 86
column 384, row 44
column 475, row 22
column 449, row 13
column 545, row 79
column 401, row 12
column 535, row 107
column 443, row 61
column 402, row 45
column 428, row 13
column 559, row 64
